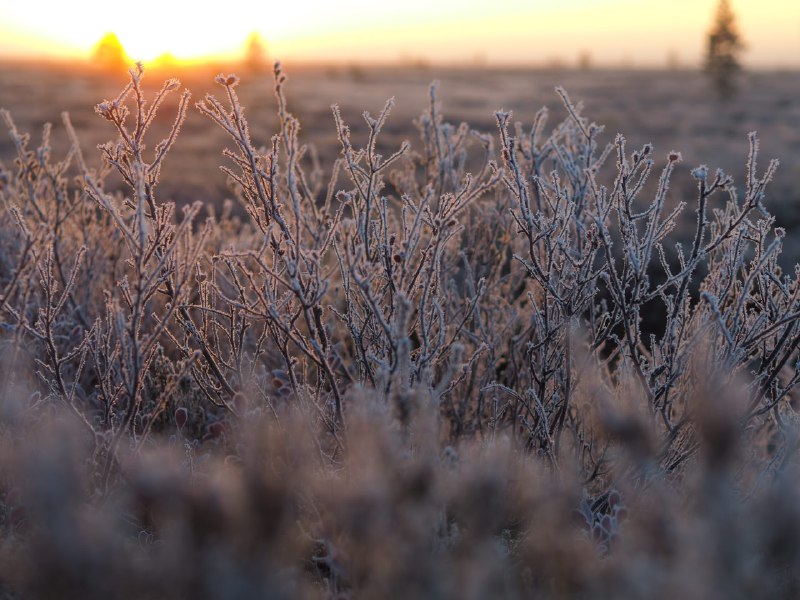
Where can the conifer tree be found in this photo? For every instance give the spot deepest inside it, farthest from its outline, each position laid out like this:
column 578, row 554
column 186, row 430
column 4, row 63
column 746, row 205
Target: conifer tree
column 255, row 54
column 108, row 54
column 723, row 50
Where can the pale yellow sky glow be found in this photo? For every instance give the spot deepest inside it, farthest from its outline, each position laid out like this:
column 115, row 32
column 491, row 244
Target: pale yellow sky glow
column 611, row 32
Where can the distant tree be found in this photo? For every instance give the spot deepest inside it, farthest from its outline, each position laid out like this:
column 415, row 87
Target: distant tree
column 724, row 47
column 166, row 59
column 585, row 60
column 255, row 53
column 673, row 60
column 108, row 54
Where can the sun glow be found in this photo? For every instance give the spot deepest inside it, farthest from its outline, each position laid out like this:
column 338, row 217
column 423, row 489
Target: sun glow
column 512, row 31
column 149, row 31
column 150, row 41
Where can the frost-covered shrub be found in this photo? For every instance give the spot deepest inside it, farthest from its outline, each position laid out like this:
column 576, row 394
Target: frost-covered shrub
column 469, row 366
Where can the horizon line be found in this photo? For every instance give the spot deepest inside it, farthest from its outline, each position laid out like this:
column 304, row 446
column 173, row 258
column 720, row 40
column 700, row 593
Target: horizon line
column 552, row 64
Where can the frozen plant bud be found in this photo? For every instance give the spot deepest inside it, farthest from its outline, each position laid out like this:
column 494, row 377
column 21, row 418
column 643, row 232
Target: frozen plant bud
column 227, row 80
column 104, row 110
column 700, row 172
column 181, row 414
column 216, row 429
column 674, row 156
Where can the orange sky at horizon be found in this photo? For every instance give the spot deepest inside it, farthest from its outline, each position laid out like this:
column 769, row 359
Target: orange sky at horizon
column 610, row 32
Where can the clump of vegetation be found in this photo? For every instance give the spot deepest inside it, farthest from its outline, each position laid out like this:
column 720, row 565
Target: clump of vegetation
column 466, row 367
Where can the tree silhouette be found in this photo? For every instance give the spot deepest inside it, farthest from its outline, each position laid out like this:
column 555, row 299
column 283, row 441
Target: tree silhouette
column 255, row 53
column 109, row 54
column 724, row 47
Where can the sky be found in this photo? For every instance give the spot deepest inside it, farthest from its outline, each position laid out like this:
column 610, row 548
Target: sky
column 513, row 32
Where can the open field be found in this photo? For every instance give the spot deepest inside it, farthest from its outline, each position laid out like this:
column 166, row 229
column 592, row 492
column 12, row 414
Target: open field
column 673, row 110
column 539, row 361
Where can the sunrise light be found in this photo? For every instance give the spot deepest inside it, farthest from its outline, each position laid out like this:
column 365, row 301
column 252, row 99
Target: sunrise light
column 451, row 31
column 340, row 299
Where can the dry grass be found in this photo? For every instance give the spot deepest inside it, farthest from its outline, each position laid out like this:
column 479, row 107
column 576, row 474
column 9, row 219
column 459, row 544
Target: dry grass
column 472, row 365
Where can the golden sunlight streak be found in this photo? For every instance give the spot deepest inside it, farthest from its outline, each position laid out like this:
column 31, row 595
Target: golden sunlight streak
column 513, row 32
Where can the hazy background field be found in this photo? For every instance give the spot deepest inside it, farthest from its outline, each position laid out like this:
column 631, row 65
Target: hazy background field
column 672, row 109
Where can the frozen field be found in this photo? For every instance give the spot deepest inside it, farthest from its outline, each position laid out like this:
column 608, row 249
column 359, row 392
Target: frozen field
column 671, row 109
